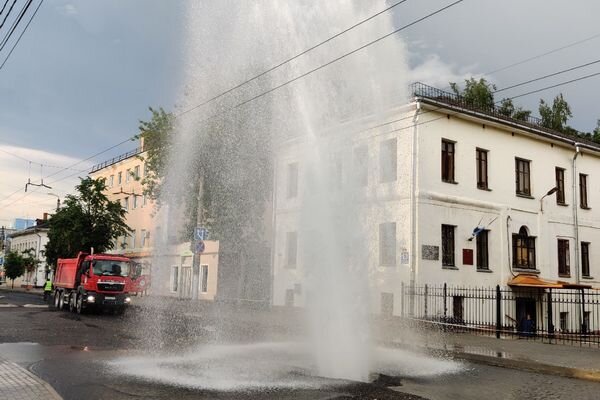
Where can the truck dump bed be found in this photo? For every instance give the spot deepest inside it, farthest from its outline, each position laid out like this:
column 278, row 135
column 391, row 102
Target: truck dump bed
column 66, row 271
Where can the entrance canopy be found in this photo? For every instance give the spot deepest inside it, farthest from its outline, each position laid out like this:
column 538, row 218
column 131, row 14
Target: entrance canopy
column 533, row 281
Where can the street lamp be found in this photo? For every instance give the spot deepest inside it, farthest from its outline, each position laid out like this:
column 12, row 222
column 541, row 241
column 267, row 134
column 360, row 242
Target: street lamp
column 57, row 200
column 550, row 192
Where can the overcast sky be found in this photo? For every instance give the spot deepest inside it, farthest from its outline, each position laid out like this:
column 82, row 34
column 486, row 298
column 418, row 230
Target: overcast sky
column 85, row 72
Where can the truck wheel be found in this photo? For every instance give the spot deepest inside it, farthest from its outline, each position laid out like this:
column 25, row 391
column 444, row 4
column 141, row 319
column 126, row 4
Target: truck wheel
column 79, row 303
column 72, row 302
column 61, row 302
column 56, row 299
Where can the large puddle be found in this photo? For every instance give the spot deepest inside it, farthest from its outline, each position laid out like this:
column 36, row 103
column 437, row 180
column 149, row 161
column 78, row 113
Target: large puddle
column 261, row 366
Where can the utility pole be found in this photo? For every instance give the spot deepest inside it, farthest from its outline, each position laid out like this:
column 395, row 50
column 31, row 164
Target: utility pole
column 197, row 254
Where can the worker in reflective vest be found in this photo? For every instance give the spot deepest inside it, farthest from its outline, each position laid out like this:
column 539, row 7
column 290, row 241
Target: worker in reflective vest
column 47, row 289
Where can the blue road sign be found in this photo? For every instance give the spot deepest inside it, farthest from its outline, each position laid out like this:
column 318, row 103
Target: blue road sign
column 200, row 247
column 200, row 233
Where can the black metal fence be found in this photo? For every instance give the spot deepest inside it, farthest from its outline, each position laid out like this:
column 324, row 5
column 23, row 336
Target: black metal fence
column 550, row 315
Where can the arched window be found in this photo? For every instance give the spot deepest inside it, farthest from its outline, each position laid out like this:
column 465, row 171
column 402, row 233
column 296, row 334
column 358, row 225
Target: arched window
column 523, row 249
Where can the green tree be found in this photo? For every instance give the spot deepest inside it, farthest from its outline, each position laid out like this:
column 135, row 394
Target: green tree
column 14, row 266
column 596, row 132
column 157, row 134
column 508, row 109
column 30, row 261
column 479, row 93
column 556, row 116
column 88, row 219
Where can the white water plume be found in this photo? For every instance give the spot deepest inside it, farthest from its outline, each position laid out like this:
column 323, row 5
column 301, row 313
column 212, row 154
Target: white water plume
column 228, row 42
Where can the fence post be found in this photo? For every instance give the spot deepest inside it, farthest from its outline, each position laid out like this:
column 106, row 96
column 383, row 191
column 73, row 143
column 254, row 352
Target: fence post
column 498, row 311
column 550, row 316
column 426, row 293
column 403, row 298
column 445, row 306
column 583, row 321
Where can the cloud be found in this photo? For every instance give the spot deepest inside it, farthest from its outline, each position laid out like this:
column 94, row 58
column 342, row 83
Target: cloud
column 435, row 72
column 70, row 9
column 14, row 201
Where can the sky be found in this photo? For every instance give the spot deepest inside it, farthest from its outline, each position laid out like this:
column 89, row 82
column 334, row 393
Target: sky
column 85, row 73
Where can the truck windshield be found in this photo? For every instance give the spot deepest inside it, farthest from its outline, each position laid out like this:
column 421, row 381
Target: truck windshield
column 111, row 267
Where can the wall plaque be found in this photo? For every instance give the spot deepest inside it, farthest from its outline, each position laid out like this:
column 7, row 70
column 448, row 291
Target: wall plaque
column 430, row 252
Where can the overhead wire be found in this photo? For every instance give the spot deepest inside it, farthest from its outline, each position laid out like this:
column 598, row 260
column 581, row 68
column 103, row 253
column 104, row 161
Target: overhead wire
column 271, row 69
column 548, row 76
column 7, row 13
column 21, row 35
column 333, row 61
column 15, row 24
column 3, row 7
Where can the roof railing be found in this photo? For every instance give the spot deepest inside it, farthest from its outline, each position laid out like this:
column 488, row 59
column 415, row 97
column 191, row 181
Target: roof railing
column 116, row 159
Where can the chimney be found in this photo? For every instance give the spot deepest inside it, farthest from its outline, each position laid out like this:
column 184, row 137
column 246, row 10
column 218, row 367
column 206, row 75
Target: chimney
column 45, row 216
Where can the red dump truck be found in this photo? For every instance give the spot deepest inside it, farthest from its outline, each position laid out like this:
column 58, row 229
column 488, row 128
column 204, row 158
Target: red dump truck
column 102, row 281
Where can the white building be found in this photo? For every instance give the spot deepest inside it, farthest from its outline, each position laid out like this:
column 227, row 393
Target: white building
column 32, row 239
column 423, row 178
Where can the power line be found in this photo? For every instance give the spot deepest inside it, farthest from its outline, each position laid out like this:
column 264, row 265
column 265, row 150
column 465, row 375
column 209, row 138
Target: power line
column 21, row 35
column 295, row 57
column 15, row 24
column 343, row 56
column 8, row 12
column 557, row 85
column 548, row 76
column 40, row 164
column 3, row 7
column 542, row 55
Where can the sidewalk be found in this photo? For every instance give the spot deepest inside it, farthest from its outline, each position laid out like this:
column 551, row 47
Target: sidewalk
column 33, row 291
column 557, row 359
column 16, row 383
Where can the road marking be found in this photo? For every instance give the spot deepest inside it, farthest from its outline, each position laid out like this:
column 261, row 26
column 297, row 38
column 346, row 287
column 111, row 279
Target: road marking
column 7, row 305
column 36, row 305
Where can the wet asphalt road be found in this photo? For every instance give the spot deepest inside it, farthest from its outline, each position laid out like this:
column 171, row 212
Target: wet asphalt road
column 70, row 352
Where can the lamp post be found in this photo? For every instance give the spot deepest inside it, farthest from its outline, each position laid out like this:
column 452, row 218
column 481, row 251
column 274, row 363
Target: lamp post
column 57, row 200
column 550, row 192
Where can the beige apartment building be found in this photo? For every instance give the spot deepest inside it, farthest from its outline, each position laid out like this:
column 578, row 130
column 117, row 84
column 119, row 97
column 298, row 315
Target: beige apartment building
column 175, row 276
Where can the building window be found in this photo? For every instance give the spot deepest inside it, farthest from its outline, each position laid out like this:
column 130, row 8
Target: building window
column 135, row 202
column 126, row 203
column 585, row 259
column 361, row 165
column 111, row 181
column 583, row 192
column 482, row 168
column 144, row 200
column 564, row 321
column 136, row 172
column 447, row 161
column 388, row 167
column 448, row 245
column 564, row 263
column 522, row 177
column 128, row 175
column 289, row 298
column 523, row 250
column 560, row 185
column 174, row 278
column 132, row 238
column 291, row 245
column 120, row 178
column 387, row 244
column 482, row 250
column 143, row 238
column 204, row 286
column 292, row 180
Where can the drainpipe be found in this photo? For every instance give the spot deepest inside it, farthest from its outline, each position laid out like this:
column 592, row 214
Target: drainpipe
column 413, row 205
column 575, row 206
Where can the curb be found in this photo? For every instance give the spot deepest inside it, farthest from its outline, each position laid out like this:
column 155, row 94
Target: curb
column 30, row 293
column 524, row 365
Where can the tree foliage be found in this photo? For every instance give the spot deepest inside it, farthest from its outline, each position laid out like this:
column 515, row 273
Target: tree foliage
column 556, row 116
column 157, row 135
column 508, row 109
column 88, row 219
column 479, row 93
column 14, row 266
